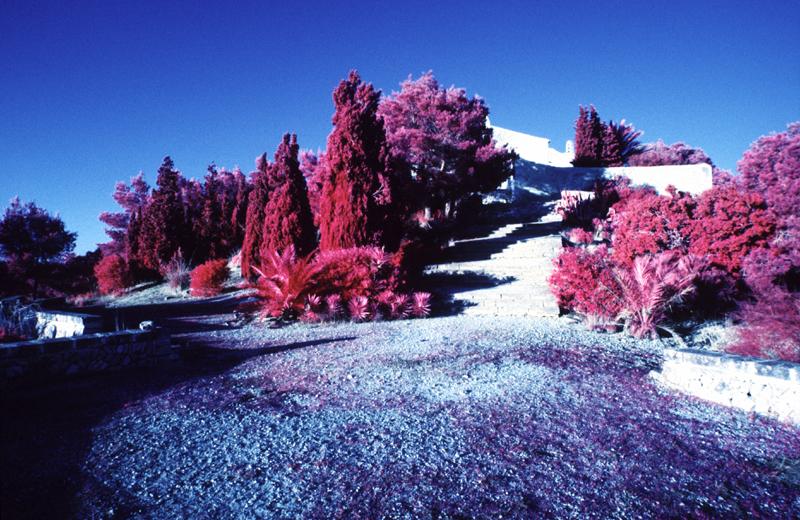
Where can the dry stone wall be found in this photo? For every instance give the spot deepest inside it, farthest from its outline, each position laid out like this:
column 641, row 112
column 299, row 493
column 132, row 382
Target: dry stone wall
column 43, row 359
column 762, row 386
column 60, row 324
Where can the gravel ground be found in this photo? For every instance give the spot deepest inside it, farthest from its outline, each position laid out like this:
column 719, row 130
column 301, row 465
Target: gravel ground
column 448, row 417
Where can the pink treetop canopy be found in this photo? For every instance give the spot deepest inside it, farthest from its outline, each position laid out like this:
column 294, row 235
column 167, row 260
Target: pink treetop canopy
column 661, row 154
column 772, row 167
column 443, row 136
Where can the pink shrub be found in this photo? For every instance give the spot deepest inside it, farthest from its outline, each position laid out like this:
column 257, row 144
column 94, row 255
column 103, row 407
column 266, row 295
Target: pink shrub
column 772, row 167
column 771, row 327
column 208, row 278
column 314, row 310
column 177, row 272
column 583, row 282
column 650, row 287
column 660, row 154
column 728, row 224
column 284, row 282
column 581, row 209
column 647, row 223
column 357, row 271
column 314, row 288
column 112, row 274
column 358, row 306
column 580, row 236
column 333, row 304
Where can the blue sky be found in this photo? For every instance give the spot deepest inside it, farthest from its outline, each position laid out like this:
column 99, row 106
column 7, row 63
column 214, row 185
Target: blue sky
column 94, row 92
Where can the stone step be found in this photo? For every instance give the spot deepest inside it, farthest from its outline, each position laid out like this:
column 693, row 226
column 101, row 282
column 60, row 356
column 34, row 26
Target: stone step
column 520, row 256
column 501, row 273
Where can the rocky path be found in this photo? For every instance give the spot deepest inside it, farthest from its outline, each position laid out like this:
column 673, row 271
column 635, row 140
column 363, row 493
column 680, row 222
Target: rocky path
column 504, row 272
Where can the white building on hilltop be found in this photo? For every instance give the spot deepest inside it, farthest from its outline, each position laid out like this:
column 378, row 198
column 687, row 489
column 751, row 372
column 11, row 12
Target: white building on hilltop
column 532, row 148
column 542, row 170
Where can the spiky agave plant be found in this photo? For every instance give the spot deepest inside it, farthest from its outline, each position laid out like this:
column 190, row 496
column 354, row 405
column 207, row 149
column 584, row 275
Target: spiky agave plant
column 284, row 282
column 421, row 304
column 313, row 310
column 651, row 287
column 333, row 306
column 359, row 308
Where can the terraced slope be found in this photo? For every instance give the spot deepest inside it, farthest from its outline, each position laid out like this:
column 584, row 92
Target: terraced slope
column 504, row 272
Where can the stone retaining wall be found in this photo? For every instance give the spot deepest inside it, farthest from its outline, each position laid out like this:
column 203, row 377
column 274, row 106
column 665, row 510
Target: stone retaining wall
column 766, row 387
column 44, row 359
column 61, row 324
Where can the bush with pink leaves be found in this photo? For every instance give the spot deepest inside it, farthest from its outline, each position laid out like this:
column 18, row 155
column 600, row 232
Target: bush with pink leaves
column 112, row 274
column 583, row 282
column 771, row 327
column 359, row 283
column 208, row 278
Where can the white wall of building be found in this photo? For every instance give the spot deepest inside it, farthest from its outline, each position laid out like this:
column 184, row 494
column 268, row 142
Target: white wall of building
column 545, row 170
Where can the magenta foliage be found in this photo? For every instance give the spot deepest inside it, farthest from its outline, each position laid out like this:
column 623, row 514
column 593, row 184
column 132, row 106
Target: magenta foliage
column 603, row 144
column 651, row 286
column 359, row 308
column 661, row 154
column 287, row 215
column 771, row 327
column 131, row 198
column 625, row 140
column 421, row 304
column 285, row 281
column 443, row 136
column 583, row 282
column 589, row 134
column 772, row 167
column 358, row 201
column 580, row 236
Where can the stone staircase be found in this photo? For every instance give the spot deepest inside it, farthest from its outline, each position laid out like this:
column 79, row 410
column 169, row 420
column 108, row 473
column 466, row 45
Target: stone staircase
column 504, row 272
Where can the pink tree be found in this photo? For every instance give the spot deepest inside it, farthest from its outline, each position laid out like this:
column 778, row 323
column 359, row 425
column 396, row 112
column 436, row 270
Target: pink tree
column 314, row 168
column 357, row 197
column 603, row 144
column 661, row 154
column 254, row 221
column 443, row 136
column 589, row 133
column 772, row 167
column 287, row 215
column 130, row 198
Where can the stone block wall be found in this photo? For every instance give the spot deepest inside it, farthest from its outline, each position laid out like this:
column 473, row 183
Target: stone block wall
column 60, row 324
column 765, row 387
column 27, row 361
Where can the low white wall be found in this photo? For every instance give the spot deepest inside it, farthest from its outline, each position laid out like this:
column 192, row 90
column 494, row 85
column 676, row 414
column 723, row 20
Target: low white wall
column 769, row 388
column 691, row 178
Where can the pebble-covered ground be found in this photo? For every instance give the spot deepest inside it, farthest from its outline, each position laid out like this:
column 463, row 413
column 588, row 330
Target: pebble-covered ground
column 445, row 418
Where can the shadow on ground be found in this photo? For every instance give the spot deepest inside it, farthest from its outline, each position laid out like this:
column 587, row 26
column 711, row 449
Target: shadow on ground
column 445, row 285
column 46, row 429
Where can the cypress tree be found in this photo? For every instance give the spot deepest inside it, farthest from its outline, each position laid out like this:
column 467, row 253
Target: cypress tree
column 163, row 222
column 353, row 204
column 254, row 221
column 287, row 216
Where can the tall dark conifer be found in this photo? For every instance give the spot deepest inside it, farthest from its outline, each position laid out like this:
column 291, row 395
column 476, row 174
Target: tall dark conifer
column 356, row 198
column 163, row 222
column 287, row 216
column 254, row 222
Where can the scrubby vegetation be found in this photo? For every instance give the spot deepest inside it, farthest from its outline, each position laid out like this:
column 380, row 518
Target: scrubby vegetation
column 342, row 233
column 641, row 258
column 209, row 277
